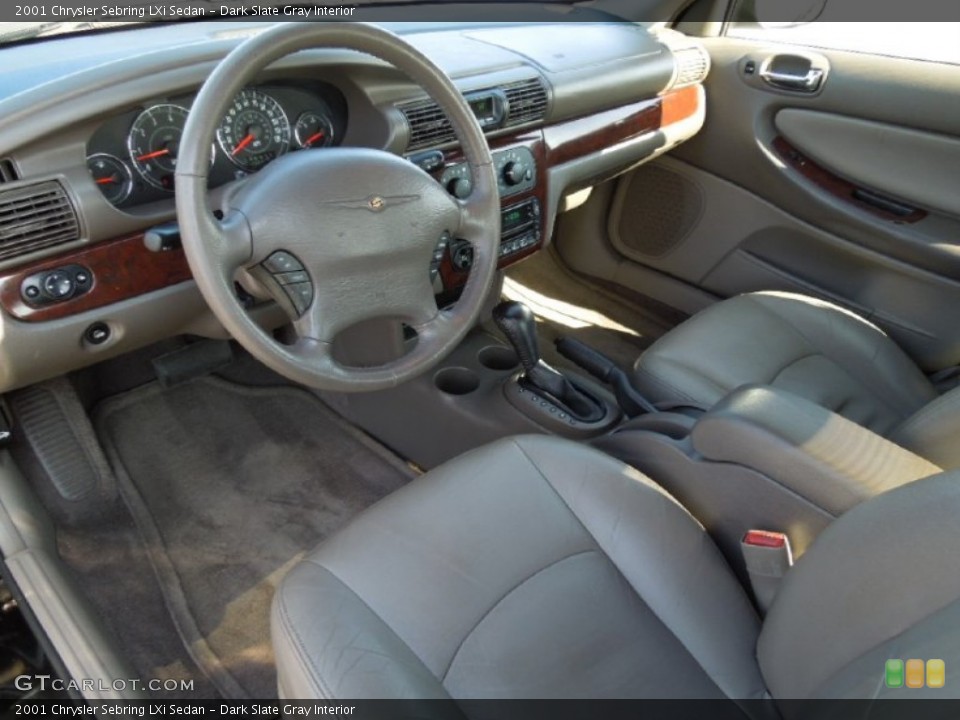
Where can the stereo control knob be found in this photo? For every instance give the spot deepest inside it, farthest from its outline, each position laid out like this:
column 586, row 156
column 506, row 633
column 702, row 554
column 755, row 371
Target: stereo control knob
column 460, row 187
column 514, row 172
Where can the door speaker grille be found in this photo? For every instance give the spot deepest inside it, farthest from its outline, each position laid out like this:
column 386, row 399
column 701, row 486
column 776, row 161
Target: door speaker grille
column 658, row 210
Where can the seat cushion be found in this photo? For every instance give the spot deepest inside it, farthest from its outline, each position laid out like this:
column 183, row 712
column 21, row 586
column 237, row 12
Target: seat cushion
column 533, row 567
column 807, row 346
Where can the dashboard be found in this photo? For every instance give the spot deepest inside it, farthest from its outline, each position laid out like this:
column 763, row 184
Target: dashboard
column 132, row 156
column 90, row 262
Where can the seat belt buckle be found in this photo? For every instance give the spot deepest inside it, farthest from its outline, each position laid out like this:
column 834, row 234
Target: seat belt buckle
column 768, row 557
column 6, row 424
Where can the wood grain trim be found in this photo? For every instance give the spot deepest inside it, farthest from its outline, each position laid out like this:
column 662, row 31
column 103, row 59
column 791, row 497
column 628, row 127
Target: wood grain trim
column 679, row 105
column 121, row 269
column 453, row 278
column 837, row 186
column 575, row 138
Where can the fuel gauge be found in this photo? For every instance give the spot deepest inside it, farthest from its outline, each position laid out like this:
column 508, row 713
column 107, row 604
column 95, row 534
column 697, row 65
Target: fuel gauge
column 313, row 130
column 112, row 176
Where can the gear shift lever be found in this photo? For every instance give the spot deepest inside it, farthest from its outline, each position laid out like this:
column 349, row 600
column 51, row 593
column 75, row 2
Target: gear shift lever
column 519, row 325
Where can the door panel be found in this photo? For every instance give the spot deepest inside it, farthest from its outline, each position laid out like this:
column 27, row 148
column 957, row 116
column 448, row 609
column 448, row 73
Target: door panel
column 847, row 190
column 921, row 167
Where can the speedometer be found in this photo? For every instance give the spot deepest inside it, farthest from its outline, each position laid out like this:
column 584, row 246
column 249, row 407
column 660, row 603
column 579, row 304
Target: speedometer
column 254, row 131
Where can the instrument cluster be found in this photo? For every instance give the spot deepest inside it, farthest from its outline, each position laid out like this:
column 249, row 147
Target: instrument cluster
column 132, row 157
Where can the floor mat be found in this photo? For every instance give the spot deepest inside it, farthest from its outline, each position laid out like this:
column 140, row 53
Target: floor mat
column 567, row 305
column 229, row 486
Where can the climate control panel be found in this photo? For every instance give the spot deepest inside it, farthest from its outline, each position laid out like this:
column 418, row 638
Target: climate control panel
column 516, row 173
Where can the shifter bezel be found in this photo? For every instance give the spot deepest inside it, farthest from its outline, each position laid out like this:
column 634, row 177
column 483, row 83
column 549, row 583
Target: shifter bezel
column 548, row 414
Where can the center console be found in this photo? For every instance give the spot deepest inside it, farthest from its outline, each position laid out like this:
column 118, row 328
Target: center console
column 521, row 183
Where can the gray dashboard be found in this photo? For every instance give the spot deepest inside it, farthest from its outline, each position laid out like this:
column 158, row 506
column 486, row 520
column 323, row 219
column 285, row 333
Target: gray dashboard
column 52, row 119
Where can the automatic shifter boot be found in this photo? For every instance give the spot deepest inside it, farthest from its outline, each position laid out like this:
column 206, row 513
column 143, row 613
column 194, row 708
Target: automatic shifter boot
column 518, row 324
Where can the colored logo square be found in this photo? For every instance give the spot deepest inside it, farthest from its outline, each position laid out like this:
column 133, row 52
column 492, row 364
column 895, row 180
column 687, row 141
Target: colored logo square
column 893, row 673
column 914, row 674
column 936, row 673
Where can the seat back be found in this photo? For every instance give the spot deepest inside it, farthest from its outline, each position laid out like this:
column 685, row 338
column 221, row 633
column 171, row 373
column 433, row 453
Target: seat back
column 932, row 431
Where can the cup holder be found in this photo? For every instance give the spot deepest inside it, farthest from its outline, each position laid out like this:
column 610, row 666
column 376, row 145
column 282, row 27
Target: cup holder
column 498, row 357
column 456, row 381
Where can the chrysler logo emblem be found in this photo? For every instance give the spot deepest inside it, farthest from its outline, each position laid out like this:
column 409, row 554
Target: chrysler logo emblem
column 373, row 203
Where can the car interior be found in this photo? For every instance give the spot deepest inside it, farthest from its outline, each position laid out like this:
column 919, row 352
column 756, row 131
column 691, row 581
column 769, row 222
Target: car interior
column 537, row 350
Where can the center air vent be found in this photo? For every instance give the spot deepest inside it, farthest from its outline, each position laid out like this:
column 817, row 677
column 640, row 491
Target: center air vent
column 429, row 127
column 527, row 101
column 35, row 217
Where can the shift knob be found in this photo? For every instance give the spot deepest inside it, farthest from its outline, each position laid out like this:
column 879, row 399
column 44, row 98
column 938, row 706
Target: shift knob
column 518, row 323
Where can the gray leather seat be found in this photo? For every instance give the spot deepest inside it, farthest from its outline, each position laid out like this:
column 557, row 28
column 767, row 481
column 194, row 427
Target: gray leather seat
column 536, row 567
column 811, row 348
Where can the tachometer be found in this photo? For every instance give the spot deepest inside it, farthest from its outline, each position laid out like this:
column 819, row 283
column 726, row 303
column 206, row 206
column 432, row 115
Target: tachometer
column 312, row 130
column 154, row 142
column 112, row 176
column 254, row 131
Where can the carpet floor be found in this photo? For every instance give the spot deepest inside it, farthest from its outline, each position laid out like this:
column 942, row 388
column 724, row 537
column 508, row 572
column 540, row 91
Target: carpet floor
column 229, row 486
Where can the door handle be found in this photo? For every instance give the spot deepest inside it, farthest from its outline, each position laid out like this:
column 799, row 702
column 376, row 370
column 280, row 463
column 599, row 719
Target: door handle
column 808, row 82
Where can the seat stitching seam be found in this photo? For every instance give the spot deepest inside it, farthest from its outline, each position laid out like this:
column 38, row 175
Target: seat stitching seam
column 781, row 371
column 503, row 597
column 304, row 657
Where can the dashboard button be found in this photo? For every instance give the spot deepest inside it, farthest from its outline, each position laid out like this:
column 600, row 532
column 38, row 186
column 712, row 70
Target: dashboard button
column 290, row 278
column 97, row 334
column 282, row 262
column 301, row 295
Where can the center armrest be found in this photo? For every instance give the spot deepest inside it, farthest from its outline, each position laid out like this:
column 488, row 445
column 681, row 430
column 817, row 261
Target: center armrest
column 819, row 455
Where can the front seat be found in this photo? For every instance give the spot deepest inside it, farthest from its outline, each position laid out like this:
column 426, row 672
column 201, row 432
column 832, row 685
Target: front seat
column 539, row 568
column 811, row 348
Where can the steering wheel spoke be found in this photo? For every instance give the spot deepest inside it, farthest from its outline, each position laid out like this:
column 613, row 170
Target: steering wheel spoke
column 235, row 246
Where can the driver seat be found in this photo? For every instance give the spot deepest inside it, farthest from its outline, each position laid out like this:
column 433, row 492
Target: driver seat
column 540, row 568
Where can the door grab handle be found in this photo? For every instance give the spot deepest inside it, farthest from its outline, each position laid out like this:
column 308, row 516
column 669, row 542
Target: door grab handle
column 788, row 81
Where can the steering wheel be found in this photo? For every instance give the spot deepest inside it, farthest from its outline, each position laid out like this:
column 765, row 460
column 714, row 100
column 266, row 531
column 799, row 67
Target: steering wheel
column 362, row 224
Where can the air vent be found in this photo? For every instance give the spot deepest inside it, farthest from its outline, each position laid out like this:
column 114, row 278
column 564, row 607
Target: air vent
column 693, row 64
column 527, row 101
column 8, row 171
column 429, row 127
column 35, row 217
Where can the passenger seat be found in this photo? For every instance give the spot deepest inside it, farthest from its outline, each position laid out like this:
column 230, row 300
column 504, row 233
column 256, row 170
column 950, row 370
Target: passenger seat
column 811, row 348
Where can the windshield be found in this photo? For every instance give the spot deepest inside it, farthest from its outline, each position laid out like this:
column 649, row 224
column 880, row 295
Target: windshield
column 16, row 31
